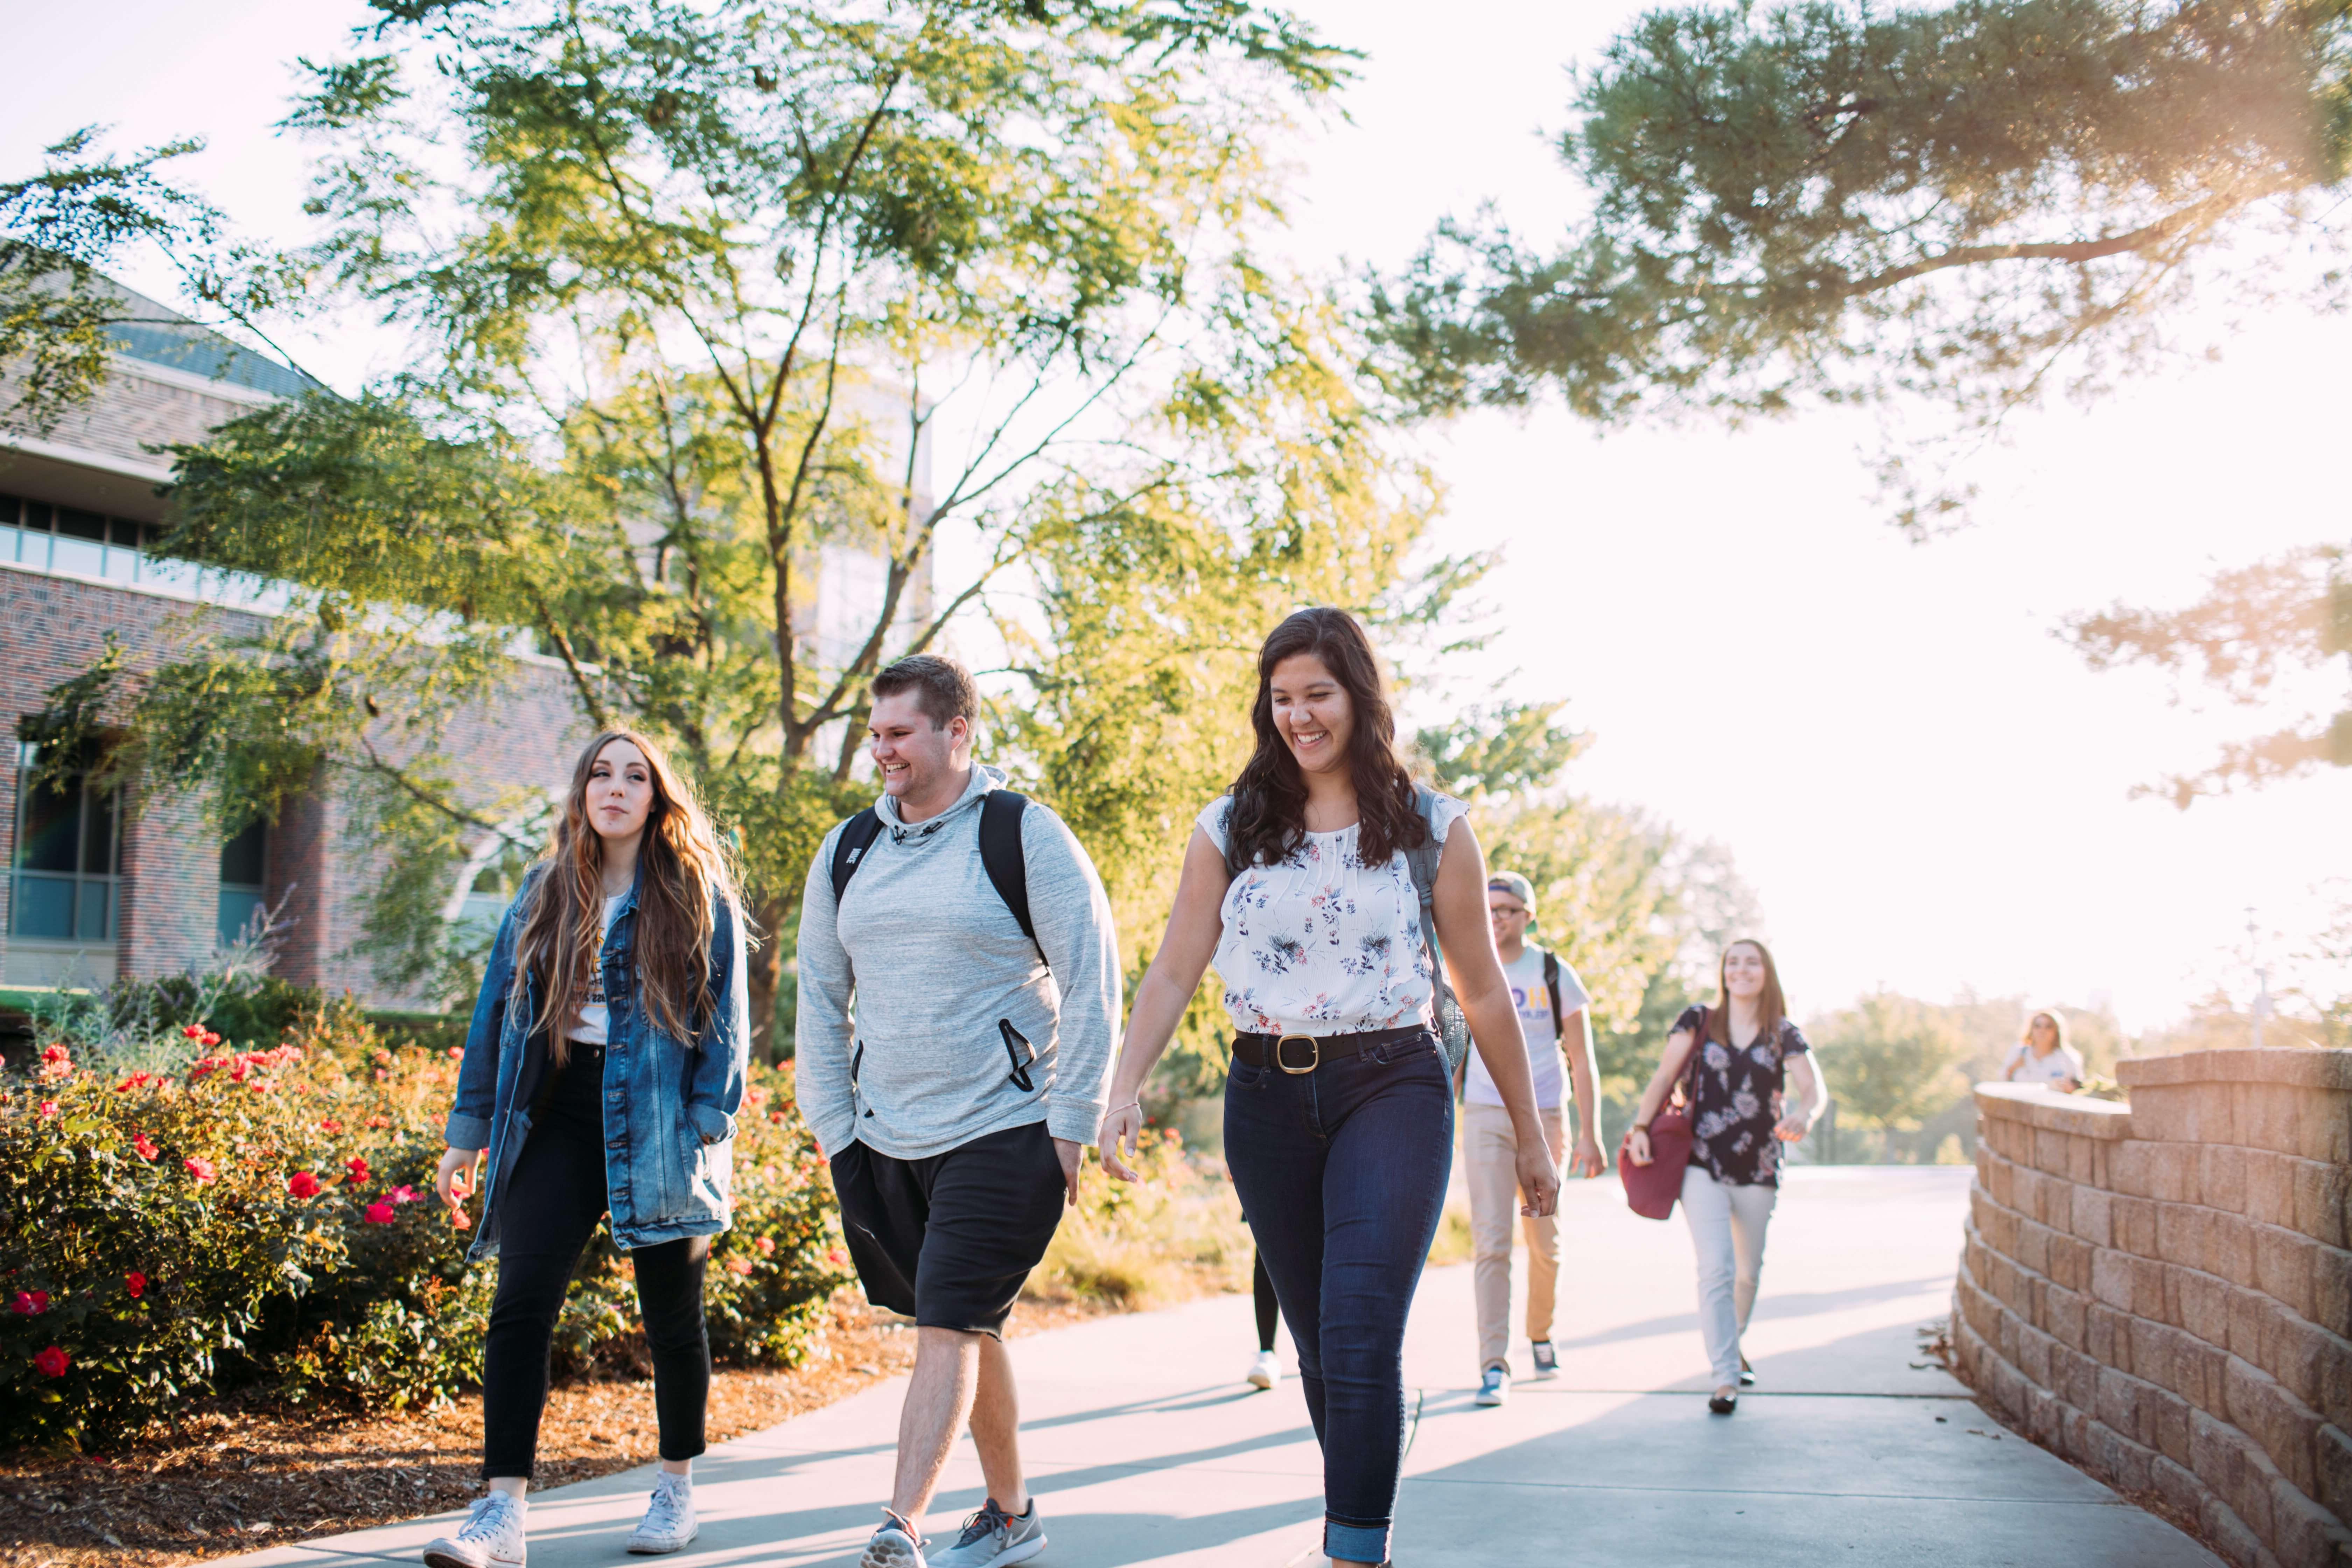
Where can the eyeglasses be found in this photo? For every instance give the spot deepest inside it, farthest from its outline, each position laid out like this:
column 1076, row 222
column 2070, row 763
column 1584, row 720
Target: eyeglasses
column 1506, row 909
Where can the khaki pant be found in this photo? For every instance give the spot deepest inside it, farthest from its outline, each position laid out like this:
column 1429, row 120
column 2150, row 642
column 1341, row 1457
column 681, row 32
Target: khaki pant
column 1490, row 1158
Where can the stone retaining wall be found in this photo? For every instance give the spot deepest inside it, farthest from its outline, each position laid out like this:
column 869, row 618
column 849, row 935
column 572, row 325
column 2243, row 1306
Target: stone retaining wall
column 2162, row 1291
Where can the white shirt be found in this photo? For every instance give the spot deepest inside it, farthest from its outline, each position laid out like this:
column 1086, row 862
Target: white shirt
column 1544, row 1060
column 2024, row 1067
column 1322, row 943
column 593, row 1019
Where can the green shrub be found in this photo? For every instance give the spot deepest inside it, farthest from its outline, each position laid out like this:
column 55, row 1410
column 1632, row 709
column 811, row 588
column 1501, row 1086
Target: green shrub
column 264, row 1219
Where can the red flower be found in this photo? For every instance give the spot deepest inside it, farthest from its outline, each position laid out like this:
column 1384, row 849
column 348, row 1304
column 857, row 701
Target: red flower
column 457, row 1053
column 303, row 1184
column 30, row 1303
column 380, row 1213
column 136, row 1283
column 193, row 1031
column 136, row 1081
column 48, row 1109
column 767, row 1246
column 200, row 1168
column 358, row 1167
column 209, row 1038
column 739, row 1265
column 55, row 1056
column 52, row 1363
column 331, row 1126
column 458, row 1220
column 836, row 1258
column 240, row 1070
column 755, row 1095
column 379, row 1122
column 204, row 1069
column 145, row 1147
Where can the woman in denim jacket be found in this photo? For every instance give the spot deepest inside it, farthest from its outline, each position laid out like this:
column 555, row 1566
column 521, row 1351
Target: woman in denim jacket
column 602, row 1075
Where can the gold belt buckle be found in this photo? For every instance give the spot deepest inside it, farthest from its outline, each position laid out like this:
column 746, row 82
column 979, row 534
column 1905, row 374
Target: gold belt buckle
column 1315, row 1056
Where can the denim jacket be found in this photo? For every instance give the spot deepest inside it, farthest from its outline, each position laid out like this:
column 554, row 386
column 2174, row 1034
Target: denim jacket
column 669, row 1104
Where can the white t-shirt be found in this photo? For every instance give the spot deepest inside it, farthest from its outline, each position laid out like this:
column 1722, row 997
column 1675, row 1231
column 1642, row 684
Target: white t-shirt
column 1544, row 1059
column 2024, row 1067
column 1323, row 944
column 593, row 1019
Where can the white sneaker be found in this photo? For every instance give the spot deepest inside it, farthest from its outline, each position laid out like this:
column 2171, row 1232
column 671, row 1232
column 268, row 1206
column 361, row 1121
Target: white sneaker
column 491, row 1537
column 895, row 1545
column 1265, row 1370
column 669, row 1520
column 1493, row 1386
column 992, row 1538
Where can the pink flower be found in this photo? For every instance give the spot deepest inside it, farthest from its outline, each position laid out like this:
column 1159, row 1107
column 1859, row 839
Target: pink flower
column 56, row 1057
column 136, row 1283
column 739, row 1265
column 836, row 1258
column 404, row 1194
column 303, row 1184
column 460, row 1220
column 755, row 1095
column 52, row 1363
column 48, row 1109
column 358, row 1167
column 30, row 1303
column 379, row 1122
column 145, row 1147
column 767, row 1246
column 200, row 1168
column 380, row 1213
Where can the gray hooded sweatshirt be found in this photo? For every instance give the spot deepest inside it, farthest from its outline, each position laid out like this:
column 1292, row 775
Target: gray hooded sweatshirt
column 932, row 959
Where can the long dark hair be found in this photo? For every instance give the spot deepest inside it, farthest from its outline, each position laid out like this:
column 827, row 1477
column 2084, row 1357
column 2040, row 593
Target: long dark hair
column 682, row 873
column 1269, row 817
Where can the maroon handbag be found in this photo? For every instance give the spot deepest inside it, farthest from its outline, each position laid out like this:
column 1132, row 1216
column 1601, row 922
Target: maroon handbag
column 1651, row 1190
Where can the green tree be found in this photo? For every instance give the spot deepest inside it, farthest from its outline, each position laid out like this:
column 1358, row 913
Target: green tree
column 1831, row 203
column 1892, row 1062
column 2288, row 617
column 687, row 289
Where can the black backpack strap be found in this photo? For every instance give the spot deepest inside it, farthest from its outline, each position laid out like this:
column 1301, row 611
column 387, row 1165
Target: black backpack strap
column 857, row 836
column 1551, row 988
column 1000, row 856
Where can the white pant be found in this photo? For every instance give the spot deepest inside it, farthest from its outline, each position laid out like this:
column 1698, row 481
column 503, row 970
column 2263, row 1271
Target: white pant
column 1727, row 1225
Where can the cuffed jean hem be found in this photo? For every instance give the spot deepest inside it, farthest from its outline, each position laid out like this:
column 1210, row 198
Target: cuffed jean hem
column 1355, row 1543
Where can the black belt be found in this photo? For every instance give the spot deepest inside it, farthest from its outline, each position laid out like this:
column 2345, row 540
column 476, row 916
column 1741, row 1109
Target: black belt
column 1305, row 1053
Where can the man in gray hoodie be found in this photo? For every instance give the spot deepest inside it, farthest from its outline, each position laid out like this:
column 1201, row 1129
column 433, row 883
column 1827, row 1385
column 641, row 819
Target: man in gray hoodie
column 954, row 1101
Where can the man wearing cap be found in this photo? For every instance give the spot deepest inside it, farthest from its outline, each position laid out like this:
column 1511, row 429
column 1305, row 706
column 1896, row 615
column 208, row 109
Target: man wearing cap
column 1551, row 1003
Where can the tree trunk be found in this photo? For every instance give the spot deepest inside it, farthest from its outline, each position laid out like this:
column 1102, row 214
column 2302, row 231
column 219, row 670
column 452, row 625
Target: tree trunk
column 767, row 977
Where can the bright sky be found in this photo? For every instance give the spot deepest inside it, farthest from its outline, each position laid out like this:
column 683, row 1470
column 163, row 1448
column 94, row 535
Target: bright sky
column 1925, row 788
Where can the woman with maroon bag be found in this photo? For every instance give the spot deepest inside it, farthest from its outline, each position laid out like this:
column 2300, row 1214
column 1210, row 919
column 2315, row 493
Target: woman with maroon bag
column 1729, row 1066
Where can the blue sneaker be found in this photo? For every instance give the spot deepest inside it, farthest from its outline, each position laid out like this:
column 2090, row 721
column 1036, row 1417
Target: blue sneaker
column 1493, row 1386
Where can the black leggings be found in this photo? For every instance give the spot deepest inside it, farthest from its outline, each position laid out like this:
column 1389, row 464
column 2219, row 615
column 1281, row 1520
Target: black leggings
column 1269, row 1311
column 546, row 1217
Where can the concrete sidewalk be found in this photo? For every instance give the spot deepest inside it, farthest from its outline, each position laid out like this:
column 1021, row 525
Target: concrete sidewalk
column 1145, row 1449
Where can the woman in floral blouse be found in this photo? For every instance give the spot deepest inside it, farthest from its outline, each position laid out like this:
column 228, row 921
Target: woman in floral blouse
column 1747, row 1052
column 1299, row 885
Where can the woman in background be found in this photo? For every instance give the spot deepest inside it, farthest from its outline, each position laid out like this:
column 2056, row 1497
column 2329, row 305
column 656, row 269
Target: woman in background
column 1740, row 1054
column 2043, row 1056
column 626, row 934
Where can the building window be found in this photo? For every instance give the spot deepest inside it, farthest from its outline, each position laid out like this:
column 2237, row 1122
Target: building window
column 244, row 879
column 82, row 543
column 69, row 851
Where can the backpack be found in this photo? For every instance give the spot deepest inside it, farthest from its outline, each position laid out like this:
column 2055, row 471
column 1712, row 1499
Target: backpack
column 999, row 852
column 1551, row 990
column 1453, row 1028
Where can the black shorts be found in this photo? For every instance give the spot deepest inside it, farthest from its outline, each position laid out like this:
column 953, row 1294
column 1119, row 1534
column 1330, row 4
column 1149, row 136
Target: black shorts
column 949, row 1239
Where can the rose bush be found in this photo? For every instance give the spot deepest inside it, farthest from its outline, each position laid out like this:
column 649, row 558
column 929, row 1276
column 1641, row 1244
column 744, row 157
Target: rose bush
column 264, row 1218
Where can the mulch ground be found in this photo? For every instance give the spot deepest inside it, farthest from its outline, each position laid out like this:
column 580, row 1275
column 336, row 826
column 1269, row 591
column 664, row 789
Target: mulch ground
column 231, row 1479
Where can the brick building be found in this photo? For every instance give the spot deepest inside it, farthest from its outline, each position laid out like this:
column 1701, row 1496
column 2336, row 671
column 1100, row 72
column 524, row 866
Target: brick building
column 133, row 883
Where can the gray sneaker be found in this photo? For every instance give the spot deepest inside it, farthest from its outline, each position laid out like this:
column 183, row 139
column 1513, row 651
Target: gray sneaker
column 491, row 1537
column 895, row 1545
column 995, row 1539
column 669, row 1520
column 1493, row 1386
column 1547, row 1359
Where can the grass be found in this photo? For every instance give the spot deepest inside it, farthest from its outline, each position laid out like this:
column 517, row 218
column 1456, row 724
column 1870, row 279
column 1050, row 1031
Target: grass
column 1175, row 1235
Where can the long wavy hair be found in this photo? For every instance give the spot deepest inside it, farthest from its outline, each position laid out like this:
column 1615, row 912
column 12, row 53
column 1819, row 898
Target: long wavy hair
column 1268, row 818
column 682, row 873
column 1771, row 1006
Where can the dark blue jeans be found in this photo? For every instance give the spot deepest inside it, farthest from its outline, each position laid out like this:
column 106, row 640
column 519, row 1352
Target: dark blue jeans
column 1342, row 1174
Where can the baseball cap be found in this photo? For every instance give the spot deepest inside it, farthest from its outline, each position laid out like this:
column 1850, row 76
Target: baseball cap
column 1511, row 882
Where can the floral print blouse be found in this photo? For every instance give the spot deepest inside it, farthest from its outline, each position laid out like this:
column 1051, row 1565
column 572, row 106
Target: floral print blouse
column 1322, row 943
column 1738, row 1103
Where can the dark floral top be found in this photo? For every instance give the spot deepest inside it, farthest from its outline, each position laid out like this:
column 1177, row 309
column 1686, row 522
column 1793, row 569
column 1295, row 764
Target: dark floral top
column 1738, row 1103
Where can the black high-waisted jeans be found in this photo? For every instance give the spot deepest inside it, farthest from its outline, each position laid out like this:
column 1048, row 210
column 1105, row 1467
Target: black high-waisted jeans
column 1342, row 1174
column 549, row 1212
